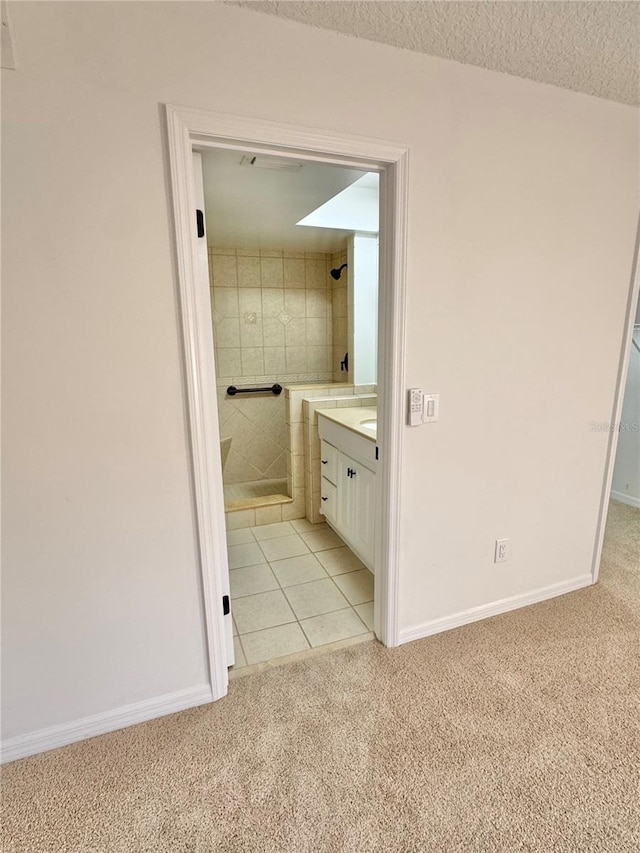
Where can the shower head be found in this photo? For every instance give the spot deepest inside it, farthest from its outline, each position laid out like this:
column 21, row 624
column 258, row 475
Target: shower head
column 338, row 272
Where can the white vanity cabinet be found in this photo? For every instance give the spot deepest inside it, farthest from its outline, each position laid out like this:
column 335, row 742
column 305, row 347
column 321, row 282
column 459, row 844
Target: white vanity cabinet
column 329, row 482
column 348, row 489
column 356, row 506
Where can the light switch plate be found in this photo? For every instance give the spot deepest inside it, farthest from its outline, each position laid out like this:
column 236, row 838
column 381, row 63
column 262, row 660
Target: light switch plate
column 430, row 408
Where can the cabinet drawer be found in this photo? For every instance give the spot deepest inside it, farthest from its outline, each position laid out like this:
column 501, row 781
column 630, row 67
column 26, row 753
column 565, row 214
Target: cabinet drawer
column 328, row 461
column 328, row 499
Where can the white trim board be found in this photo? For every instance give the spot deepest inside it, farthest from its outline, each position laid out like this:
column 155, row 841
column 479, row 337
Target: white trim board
column 618, row 401
column 100, row 724
column 494, row 608
column 630, row 500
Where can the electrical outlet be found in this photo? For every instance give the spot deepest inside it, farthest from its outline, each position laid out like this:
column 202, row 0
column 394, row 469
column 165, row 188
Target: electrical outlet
column 503, row 550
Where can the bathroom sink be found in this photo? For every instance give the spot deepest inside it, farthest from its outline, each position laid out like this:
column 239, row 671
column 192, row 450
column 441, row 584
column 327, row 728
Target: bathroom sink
column 357, row 420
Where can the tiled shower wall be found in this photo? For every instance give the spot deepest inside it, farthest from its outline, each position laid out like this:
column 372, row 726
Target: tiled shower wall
column 339, row 315
column 272, row 322
column 258, row 431
column 271, row 314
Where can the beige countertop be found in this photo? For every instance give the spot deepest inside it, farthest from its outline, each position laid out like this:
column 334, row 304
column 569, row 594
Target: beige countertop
column 352, row 417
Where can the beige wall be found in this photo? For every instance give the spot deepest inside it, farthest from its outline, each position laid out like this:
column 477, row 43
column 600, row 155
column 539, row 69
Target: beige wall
column 522, row 212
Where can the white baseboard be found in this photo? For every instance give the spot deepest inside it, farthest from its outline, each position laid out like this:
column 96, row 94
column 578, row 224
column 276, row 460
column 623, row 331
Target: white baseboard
column 494, row 608
column 625, row 499
column 108, row 721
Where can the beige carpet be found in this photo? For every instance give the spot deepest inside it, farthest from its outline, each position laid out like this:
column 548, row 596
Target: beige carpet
column 514, row 734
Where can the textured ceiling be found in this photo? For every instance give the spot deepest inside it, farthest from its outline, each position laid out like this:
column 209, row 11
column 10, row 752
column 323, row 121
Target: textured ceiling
column 591, row 47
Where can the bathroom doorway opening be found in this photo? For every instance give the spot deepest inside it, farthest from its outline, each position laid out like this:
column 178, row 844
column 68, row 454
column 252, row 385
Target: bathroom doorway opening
column 620, row 500
column 253, row 534
column 280, row 310
column 292, row 250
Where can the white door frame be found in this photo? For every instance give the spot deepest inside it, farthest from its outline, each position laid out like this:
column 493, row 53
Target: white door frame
column 188, row 127
column 618, row 400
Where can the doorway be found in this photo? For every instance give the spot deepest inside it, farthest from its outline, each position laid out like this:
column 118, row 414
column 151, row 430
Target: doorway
column 280, row 317
column 625, row 487
column 286, row 315
column 189, row 129
column 616, row 544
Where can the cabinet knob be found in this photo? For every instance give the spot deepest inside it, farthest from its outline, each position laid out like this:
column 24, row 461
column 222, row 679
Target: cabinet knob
column 324, row 461
column 324, row 499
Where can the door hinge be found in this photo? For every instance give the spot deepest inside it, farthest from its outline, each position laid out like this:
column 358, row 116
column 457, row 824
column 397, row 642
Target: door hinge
column 200, row 223
column 226, row 606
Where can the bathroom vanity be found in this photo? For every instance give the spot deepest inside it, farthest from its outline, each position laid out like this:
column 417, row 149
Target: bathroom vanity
column 348, row 476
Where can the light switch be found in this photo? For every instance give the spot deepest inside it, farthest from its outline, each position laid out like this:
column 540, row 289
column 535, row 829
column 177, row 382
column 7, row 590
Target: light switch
column 430, row 408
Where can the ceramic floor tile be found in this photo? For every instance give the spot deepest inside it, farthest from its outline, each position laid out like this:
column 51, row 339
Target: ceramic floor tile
column 337, row 561
column 365, row 612
column 357, row 586
column 274, row 643
column 285, row 546
column 273, row 531
column 255, row 612
column 239, row 537
column 314, row 598
column 235, row 627
column 301, row 525
column 322, row 541
column 251, row 580
column 247, row 554
column 298, row 570
column 240, row 659
column 331, row 627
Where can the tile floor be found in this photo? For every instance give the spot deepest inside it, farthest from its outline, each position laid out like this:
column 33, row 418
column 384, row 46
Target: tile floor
column 294, row 586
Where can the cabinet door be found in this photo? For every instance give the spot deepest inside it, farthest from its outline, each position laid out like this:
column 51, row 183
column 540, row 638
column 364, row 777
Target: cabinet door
column 346, row 496
column 329, row 501
column 356, row 501
column 328, row 461
column 364, row 504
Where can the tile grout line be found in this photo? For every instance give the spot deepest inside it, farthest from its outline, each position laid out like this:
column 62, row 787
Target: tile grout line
column 283, row 589
column 279, row 625
column 299, row 622
column 317, row 614
column 303, row 583
column 305, row 634
column 350, row 607
column 244, row 654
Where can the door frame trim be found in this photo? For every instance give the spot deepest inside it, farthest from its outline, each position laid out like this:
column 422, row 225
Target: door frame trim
column 187, row 127
column 618, row 401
